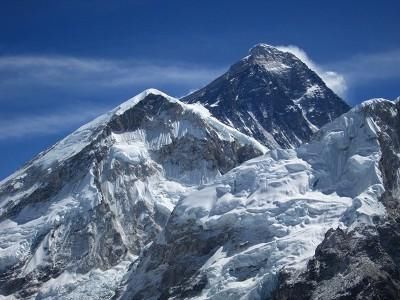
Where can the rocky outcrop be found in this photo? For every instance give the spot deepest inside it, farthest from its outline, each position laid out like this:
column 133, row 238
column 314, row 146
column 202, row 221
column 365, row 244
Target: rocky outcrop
column 357, row 264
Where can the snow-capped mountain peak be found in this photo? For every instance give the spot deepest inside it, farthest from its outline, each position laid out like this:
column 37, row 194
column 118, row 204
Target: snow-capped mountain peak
column 272, row 59
column 136, row 99
column 95, row 199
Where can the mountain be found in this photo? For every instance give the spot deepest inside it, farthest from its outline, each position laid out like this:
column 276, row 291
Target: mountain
column 272, row 96
column 316, row 222
column 73, row 219
column 163, row 199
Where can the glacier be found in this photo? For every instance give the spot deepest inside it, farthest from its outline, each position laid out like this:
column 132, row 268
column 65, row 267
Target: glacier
column 231, row 238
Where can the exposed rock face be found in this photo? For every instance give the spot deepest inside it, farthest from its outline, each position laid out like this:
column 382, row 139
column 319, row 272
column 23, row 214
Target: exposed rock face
column 95, row 199
column 272, row 96
column 357, row 264
column 362, row 262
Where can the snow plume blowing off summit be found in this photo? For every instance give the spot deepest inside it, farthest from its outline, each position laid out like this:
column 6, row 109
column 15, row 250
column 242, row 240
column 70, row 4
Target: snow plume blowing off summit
column 335, row 81
column 272, row 96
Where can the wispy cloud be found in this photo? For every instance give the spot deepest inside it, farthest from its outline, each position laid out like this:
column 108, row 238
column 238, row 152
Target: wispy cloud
column 64, row 73
column 333, row 79
column 64, row 70
column 364, row 68
column 22, row 76
column 46, row 124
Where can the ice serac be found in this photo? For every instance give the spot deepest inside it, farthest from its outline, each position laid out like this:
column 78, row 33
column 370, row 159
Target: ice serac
column 272, row 96
column 234, row 238
column 73, row 219
column 363, row 262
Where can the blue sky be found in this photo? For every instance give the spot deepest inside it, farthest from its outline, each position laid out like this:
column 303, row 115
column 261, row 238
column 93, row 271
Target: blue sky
column 64, row 62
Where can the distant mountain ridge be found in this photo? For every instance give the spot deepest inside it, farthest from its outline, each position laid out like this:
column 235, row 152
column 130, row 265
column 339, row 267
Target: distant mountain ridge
column 272, row 96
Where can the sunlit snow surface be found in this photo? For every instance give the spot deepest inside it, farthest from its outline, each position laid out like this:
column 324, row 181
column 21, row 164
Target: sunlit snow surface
column 115, row 183
column 275, row 209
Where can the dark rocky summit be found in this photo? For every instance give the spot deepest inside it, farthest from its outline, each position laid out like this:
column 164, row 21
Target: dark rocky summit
column 273, row 96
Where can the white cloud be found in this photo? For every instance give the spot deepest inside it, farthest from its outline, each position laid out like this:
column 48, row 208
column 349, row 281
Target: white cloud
column 22, row 75
column 357, row 70
column 65, row 71
column 332, row 79
column 364, row 68
column 45, row 124
column 17, row 72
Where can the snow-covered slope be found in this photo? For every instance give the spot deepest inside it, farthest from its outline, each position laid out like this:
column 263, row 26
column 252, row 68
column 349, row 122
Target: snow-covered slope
column 362, row 262
column 273, row 96
column 74, row 218
column 231, row 239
